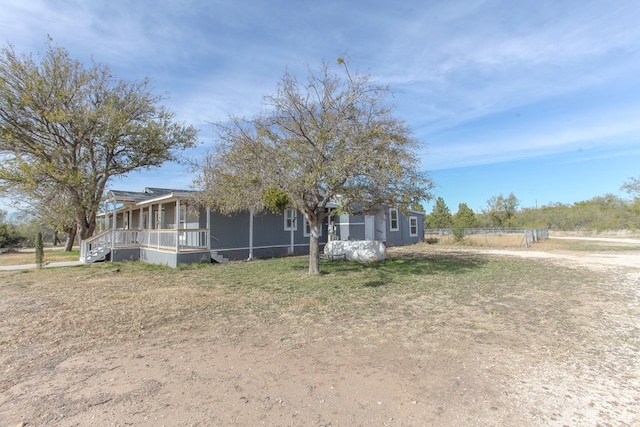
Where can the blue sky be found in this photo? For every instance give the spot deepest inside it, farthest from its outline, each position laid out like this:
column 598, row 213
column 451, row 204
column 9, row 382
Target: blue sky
column 538, row 98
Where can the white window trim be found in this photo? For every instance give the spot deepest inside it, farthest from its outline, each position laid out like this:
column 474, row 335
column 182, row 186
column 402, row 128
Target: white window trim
column 306, row 230
column 391, row 220
column 293, row 215
column 411, row 220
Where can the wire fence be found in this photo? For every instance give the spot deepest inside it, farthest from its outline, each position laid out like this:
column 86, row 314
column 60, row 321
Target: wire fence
column 525, row 236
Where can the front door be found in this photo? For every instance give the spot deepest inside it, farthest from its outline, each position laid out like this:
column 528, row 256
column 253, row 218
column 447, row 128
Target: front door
column 369, row 227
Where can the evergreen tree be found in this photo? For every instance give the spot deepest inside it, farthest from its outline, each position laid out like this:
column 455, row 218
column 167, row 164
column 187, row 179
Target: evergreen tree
column 440, row 216
column 465, row 217
column 39, row 250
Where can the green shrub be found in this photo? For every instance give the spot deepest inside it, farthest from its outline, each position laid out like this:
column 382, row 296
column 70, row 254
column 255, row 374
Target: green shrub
column 458, row 232
column 9, row 237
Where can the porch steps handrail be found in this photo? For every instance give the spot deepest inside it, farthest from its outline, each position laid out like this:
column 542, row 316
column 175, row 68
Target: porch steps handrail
column 96, row 247
column 97, row 236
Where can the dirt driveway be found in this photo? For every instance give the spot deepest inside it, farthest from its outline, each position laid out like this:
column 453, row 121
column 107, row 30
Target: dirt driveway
column 520, row 360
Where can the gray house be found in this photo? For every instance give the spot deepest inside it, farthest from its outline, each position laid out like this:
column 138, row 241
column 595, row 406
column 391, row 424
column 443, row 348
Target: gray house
column 165, row 226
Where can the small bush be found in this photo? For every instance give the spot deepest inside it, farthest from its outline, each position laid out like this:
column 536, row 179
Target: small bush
column 458, row 232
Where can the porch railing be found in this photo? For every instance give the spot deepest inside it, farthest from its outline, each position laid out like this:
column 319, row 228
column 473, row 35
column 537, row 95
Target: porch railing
column 172, row 239
column 95, row 243
column 165, row 239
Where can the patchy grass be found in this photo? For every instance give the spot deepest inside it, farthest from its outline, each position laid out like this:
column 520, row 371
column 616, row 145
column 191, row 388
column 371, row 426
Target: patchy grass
column 531, row 341
column 29, row 257
column 66, row 310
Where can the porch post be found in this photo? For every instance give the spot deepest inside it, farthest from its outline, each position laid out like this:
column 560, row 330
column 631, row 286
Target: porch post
column 113, row 226
column 251, row 233
column 208, row 242
column 294, row 217
column 159, row 224
column 177, row 217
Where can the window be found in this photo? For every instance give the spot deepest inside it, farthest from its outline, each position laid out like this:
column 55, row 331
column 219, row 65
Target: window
column 290, row 222
column 413, row 226
column 307, row 228
column 393, row 220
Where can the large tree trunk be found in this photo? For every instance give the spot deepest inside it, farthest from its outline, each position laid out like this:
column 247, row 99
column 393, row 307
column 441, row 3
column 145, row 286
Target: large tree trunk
column 86, row 226
column 71, row 237
column 314, row 248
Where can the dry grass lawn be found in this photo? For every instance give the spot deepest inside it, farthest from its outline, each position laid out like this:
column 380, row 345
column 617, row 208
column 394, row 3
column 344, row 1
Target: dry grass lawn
column 432, row 336
column 23, row 257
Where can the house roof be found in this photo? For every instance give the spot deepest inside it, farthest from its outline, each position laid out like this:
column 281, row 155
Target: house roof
column 150, row 194
column 129, row 196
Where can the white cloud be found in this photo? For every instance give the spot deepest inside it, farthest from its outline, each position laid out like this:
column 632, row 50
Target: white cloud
column 452, row 62
column 617, row 132
column 498, row 56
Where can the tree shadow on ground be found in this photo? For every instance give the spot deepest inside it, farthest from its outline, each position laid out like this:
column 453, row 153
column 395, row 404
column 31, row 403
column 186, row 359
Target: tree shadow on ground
column 410, row 264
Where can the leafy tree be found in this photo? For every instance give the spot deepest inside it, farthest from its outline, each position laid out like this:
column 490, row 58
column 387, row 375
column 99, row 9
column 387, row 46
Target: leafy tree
column 440, row 216
column 330, row 137
column 73, row 128
column 501, row 210
column 465, row 217
column 608, row 212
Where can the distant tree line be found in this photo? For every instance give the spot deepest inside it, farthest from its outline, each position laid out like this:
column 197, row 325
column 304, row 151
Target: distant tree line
column 21, row 231
column 608, row 212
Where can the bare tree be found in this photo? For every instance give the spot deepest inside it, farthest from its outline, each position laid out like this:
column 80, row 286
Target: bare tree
column 331, row 137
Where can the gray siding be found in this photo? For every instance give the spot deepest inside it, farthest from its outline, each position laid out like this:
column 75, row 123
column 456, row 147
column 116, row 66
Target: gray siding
column 356, row 227
column 352, row 227
column 402, row 235
column 230, row 235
